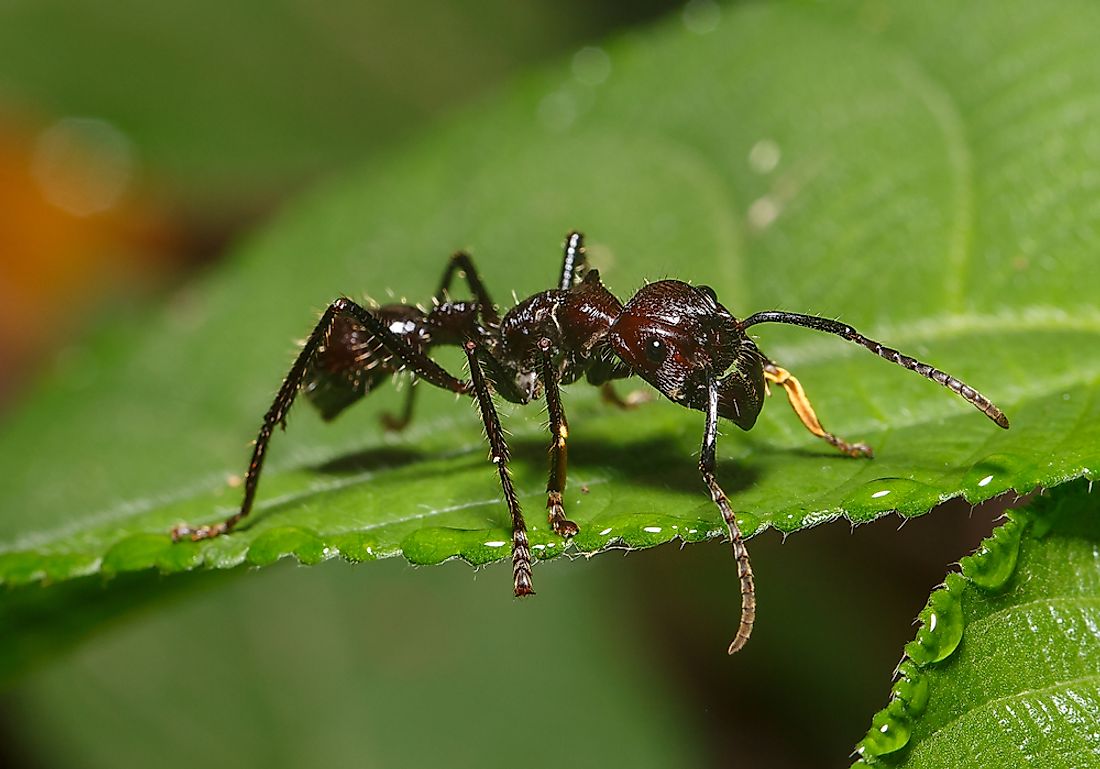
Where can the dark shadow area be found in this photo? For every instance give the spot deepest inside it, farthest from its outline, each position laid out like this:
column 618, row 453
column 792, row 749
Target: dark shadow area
column 377, row 458
column 650, row 461
column 836, row 605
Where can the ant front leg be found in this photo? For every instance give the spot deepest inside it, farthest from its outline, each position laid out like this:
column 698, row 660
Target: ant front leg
column 417, row 361
column 498, row 453
column 740, row 552
column 801, row 405
column 608, row 394
column 559, row 433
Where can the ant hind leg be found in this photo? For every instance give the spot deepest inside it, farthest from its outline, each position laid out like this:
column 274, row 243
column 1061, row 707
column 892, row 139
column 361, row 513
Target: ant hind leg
column 414, row 359
column 559, row 433
column 395, row 424
column 498, row 452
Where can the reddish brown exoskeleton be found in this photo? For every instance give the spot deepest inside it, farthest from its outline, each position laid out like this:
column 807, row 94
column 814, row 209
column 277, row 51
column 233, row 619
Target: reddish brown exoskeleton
column 677, row 337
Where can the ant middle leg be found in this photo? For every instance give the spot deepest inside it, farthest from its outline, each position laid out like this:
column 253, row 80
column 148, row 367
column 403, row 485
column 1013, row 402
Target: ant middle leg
column 414, row 359
column 396, row 424
column 559, row 433
column 498, row 453
column 801, row 405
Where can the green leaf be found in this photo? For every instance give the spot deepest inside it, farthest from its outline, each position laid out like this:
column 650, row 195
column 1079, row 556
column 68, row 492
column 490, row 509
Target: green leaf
column 1007, row 671
column 853, row 162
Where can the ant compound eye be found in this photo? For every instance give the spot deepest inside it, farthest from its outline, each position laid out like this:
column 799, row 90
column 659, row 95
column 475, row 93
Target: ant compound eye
column 708, row 292
column 655, row 350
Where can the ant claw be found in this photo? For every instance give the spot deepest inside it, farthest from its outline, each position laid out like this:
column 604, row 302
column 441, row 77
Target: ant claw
column 564, row 527
column 392, row 424
column 185, row 531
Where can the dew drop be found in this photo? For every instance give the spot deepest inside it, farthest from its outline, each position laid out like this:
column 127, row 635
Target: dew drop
column 652, row 529
column 997, row 473
column 702, row 16
column 605, row 532
column 558, row 111
column 763, row 211
column 764, row 156
column 888, row 734
column 994, row 562
column 941, row 629
column 911, row 689
column 83, row 165
column 905, row 495
column 591, row 65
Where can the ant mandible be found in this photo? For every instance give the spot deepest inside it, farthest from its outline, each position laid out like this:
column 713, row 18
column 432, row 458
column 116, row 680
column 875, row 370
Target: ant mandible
column 677, row 337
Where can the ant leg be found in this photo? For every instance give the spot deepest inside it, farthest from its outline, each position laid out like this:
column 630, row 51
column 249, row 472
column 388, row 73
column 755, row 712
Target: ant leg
column 420, row 363
column 498, row 452
column 740, row 552
column 608, row 394
column 572, row 260
column 461, row 262
column 559, row 432
column 801, row 405
column 396, row 424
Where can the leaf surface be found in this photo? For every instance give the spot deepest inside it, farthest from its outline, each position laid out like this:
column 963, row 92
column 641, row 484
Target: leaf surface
column 1019, row 631
column 850, row 161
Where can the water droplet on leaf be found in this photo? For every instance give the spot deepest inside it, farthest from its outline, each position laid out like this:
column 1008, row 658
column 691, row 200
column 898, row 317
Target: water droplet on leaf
column 942, row 627
column 994, row 562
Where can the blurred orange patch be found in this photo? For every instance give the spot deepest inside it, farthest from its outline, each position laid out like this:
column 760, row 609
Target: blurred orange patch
column 73, row 227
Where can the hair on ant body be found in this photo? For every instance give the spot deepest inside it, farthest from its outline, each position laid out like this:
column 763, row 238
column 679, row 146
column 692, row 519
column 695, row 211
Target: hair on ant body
column 677, row 337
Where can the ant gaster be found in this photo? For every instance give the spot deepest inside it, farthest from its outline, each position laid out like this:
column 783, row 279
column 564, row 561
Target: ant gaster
column 677, row 337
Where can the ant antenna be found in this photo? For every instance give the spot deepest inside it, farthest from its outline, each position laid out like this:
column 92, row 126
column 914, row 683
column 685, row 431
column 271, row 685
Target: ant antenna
column 980, row 402
column 573, row 257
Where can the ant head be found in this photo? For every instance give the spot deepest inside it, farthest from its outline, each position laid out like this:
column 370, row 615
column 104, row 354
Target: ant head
column 675, row 336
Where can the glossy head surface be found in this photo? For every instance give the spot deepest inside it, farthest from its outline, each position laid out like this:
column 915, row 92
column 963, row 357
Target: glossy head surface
column 674, row 335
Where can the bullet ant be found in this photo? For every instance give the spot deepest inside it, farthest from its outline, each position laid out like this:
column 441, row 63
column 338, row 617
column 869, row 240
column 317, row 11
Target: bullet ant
column 677, row 337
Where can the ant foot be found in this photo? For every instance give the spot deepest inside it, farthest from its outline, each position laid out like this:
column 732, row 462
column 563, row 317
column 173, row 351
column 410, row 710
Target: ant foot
column 392, row 424
column 565, row 528
column 523, row 584
column 856, row 450
column 185, row 531
column 562, row 526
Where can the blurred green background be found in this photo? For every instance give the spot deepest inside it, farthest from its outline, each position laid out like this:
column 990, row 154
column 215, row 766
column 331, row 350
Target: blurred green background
column 137, row 143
